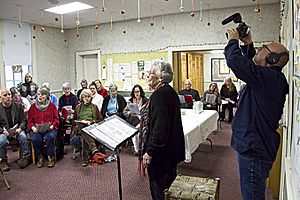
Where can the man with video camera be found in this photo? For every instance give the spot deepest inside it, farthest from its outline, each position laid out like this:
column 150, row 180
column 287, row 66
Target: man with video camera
column 260, row 108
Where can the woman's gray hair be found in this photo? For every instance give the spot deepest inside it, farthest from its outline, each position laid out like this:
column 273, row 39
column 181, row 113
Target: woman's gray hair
column 85, row 92
column 163, row 70
column 113, row 86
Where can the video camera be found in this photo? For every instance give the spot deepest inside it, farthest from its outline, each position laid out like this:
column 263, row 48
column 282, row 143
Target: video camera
column 243, row 28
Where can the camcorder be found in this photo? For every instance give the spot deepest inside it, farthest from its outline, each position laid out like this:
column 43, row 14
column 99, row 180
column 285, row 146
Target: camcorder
column 242, row 28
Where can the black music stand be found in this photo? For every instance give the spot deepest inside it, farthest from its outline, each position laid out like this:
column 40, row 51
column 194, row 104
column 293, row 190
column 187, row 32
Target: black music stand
column 112, row 132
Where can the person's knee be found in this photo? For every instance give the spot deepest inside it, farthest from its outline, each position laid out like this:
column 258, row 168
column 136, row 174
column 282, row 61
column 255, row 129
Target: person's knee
column 3, row 140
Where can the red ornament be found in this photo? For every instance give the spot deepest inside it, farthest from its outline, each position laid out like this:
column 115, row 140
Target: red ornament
column 192, row 14
column 124, row 31
column 56, row 19
column 208, row 24
column 122, row 12
column 96, row 27
column 152, row 24
column 43, row 29
column 77, row 34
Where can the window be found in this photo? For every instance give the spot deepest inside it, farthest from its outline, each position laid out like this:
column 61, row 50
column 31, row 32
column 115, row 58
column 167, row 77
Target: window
column 15, row 74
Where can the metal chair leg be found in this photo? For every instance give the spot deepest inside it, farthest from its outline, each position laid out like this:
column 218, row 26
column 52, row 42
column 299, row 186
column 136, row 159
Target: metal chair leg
column 4, row 178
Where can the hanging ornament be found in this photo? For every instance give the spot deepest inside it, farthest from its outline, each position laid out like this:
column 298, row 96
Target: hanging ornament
column 152, row 17
column 56, row 19
column 124, row 22
column 138, row 11
column 62, row 23
column 103, row 8
column 77, row 32
column 43, row 27
column 77, row 21
column 193, row 9
column 181, row 8
column 111, row 21
column 208, row 16
column 97, row 21
column 257, row 7
column 201, row 11
column 20, row 17
column 162, row 22
column 123, row 10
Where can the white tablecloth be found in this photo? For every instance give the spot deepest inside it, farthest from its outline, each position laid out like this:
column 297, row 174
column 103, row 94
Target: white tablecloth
column 196, row 128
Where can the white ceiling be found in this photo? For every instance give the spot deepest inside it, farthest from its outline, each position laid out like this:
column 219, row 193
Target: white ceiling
column 31, row 10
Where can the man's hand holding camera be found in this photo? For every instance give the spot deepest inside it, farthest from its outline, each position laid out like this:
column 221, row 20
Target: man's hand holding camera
column 234, row 34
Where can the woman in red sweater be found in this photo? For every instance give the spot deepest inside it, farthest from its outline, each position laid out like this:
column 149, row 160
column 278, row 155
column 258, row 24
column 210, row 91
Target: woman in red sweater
column 43, row 123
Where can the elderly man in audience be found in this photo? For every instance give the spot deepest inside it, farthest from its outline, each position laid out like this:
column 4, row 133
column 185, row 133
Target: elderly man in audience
column 114, row 103
column 12, row 125
column 189, row 91
column 86, row 113
column 29, row 88
column 43, row 124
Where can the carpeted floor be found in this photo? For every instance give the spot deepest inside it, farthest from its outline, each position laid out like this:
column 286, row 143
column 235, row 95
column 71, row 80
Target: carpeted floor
column 69, row 181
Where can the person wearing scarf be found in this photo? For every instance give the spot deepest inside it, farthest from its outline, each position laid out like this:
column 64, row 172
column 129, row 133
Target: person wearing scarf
column 42, row 126
column 161, row 134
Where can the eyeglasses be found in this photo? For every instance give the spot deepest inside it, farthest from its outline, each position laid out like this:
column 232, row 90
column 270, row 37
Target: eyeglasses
column 265, row 46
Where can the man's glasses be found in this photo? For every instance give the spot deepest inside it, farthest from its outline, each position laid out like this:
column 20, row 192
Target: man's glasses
column 265, row 46
column 5, row 95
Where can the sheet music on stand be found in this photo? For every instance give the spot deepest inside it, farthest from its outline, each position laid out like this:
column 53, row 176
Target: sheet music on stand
column 111, row 132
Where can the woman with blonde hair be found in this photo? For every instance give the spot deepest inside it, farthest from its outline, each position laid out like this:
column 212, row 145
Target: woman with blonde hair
column 229, row 94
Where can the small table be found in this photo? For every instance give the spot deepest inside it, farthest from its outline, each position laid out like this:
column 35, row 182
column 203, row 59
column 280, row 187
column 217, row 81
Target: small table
column 196, row 128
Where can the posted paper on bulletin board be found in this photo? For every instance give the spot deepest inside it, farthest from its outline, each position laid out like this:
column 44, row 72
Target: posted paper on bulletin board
column 126, row 70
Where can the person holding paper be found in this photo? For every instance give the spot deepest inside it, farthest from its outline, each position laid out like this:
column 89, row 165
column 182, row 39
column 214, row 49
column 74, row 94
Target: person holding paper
column 114, row 103
column 12, row 125
column 161, row 136
column 86, row 113
column 43, row 124
column 29, row 88
column 132, row 111
column 189, row 91
column 67, row 104
column 230, row 95
column 211, row 98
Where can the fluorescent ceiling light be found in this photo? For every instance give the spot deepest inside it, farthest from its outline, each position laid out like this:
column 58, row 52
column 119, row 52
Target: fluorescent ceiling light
column 69, row 8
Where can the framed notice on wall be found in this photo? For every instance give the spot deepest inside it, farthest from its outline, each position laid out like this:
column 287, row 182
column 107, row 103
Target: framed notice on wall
column 220, row 70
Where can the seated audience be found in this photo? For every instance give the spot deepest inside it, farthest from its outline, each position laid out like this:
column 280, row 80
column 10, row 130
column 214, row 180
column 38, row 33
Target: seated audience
column 12, row 126
column 137, row 96
column 66, row 106
column 29, row 89
column 86, row 113
column 43, row 124
column 211, row 98
column 53, row 98
column 189, row 91
column 17, row 98
column 229, row 94
column 114, row 103
column 97, row 99
column 84, row 85
column 100, row 89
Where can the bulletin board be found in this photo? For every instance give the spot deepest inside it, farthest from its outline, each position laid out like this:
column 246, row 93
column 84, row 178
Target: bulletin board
column 126, row 70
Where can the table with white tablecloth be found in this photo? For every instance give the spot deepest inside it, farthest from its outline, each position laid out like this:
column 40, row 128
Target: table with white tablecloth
column 196, row 128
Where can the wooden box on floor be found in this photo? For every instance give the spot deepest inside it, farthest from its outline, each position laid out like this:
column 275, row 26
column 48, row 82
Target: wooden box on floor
column 193, row 188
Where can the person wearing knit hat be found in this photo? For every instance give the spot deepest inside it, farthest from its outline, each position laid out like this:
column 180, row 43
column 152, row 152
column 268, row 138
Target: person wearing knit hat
column 29, row 88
